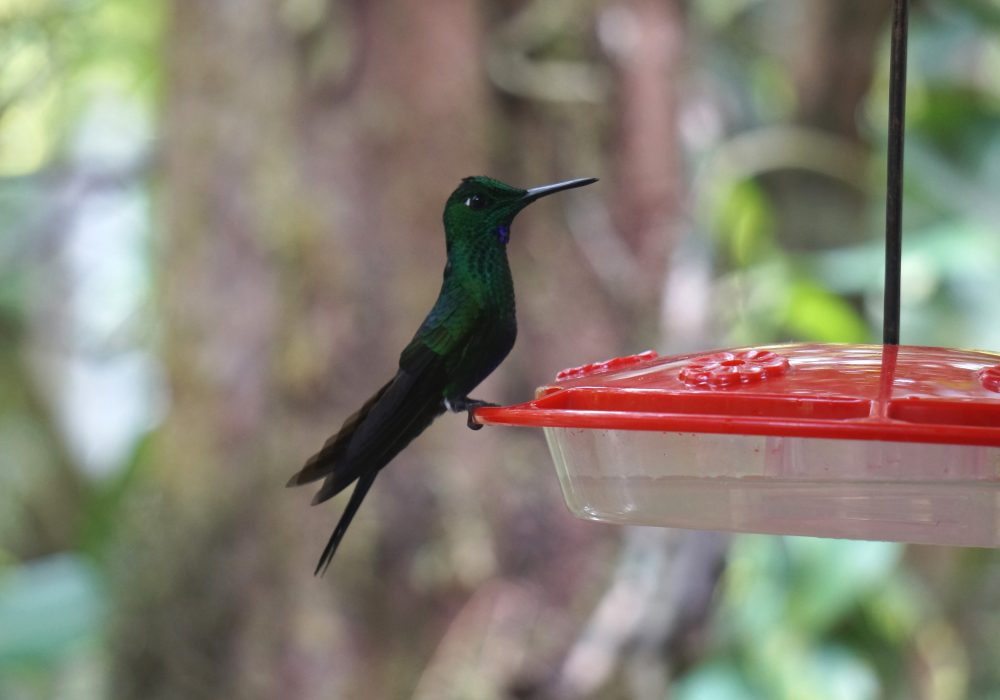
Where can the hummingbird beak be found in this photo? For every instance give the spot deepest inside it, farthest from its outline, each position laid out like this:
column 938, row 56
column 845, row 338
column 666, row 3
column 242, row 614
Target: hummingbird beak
column 545, row 190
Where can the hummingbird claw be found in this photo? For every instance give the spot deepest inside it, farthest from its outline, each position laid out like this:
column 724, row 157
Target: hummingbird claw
column 469, row 406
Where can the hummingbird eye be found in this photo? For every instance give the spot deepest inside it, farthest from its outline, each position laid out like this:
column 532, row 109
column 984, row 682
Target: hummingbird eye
column 476, row 202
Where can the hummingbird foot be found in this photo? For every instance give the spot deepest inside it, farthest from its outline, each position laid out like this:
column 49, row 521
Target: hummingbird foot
column 470, row 406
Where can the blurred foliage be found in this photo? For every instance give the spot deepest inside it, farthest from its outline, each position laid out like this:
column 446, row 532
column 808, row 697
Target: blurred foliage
column 50, row 618
column 810, row 618
column 57, row 57
column 797, row 618
column 60, row 61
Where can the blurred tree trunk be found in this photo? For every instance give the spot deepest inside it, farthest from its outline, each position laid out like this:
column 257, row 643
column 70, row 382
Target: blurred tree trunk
column 284, row 156
column 309, row 149
column 652, row 614
column 833, row 62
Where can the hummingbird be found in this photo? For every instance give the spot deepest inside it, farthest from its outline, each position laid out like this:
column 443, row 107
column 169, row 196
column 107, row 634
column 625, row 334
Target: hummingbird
column 467, row 334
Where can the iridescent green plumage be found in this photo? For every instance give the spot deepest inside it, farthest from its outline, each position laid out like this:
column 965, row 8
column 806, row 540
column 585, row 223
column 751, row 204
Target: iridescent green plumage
column 465, row 336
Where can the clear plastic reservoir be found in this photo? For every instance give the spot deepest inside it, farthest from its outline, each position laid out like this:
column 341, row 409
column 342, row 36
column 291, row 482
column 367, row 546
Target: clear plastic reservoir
column 932, row 494
column 829, row 441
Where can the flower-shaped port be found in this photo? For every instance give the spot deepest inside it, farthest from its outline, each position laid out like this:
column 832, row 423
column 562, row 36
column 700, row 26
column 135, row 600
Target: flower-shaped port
column 607, row 365
column 989, row 377
column 724, row 369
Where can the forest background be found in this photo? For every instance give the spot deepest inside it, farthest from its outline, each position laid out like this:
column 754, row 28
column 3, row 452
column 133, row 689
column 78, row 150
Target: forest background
column 220, row 222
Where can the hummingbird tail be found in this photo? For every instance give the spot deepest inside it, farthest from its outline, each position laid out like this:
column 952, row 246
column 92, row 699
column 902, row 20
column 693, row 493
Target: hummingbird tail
column 368, row 441
column 357, row 496
column 324, row 463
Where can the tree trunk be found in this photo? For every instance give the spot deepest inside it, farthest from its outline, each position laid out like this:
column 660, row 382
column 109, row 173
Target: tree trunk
column 833, row 64
column 301, row 191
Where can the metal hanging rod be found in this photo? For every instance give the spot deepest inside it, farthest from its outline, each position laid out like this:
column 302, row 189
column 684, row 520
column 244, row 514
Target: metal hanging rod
column 894, row 190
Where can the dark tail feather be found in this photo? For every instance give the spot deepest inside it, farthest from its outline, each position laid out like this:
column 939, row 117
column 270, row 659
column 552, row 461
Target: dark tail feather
column 360, row 490
column 369, row 439
column 324, row 463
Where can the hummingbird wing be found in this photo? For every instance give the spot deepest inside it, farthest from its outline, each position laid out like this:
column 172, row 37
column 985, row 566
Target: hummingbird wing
column 321, row 464
column 392, row 417
column 398, row 412
column 377, row 432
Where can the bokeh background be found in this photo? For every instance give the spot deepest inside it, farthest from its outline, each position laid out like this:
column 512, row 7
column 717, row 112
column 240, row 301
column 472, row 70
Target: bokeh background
column 220, row 222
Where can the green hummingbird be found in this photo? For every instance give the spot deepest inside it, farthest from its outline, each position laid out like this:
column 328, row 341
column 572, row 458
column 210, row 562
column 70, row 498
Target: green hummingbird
column 466, row 335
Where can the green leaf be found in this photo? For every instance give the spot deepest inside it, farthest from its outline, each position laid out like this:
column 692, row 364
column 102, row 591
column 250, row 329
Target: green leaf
column 832, row 576
column 713, row 681
column 746, row 222
column 48, row 609
column 816, row 314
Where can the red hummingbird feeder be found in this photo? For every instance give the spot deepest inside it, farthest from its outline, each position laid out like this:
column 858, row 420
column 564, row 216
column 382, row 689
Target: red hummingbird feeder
column 882, row 442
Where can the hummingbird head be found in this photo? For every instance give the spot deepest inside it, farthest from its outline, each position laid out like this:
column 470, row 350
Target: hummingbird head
column 482, row 206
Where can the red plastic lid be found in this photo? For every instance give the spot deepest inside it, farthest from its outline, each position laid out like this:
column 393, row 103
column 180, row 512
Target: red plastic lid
column 858, row 392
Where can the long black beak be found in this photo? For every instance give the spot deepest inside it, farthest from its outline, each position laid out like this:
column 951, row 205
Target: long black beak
column 538, row 192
